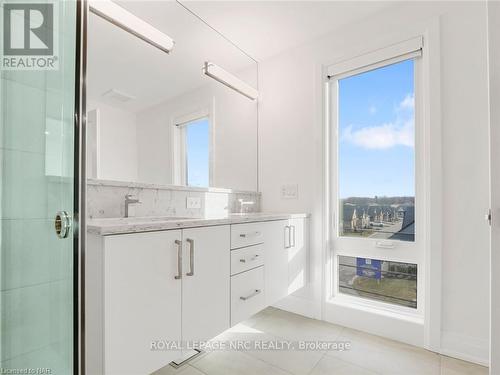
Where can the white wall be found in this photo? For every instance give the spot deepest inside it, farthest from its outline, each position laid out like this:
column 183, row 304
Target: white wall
column 291, row 144
column 494, row 59
column 117, row 140
column 234, row 123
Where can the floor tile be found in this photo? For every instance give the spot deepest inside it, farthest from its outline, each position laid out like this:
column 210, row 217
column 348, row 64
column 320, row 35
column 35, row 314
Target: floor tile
column 234, row 363
column 328, row 365
column 243, row 333
column 452, row 366
column 367, row 355
column 295, row 327
column 294, row 361
column 184, row 370
column 386, row 356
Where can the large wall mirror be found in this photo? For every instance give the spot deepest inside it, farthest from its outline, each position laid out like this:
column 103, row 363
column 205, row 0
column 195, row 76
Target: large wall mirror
column 155, row 117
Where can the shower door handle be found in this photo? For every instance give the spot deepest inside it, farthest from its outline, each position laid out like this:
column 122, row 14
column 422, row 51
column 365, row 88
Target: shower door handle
column 62, row 224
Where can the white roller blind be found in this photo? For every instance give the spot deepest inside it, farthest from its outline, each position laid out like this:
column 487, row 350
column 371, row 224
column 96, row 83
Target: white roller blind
column 397, row 52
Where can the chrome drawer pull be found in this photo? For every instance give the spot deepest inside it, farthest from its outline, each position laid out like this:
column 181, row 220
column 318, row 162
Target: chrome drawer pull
column 251, row 259
column 253, row 234
column 179, row 260
column 257, row 291
column 191, row 257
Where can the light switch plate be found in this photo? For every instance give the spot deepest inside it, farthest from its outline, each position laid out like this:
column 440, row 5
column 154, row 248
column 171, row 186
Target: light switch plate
column 290, row 191
column 193, row 202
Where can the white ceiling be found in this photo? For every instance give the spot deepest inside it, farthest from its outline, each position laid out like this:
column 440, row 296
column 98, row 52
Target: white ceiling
column 266, row 28
column 117, row 60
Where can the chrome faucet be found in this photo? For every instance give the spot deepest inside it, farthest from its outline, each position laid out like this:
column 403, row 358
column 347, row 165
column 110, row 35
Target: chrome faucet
column 128, row 201
column 244, row 204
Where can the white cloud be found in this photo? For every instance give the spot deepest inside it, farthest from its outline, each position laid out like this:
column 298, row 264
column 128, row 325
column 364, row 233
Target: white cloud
column 382, row 136
column 408, row 102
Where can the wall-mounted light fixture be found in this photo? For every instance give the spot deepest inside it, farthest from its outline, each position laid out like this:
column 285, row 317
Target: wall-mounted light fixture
column 226, row 78
column 122, row 18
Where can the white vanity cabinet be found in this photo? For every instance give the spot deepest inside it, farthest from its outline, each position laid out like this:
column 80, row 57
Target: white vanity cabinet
column 268, row 263
column 148, row 288
column 151, row 288
column 142, row 300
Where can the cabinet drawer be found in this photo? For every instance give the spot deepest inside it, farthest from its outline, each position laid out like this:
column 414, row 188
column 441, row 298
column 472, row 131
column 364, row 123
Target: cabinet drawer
column 247, row 294
column 247, row 258
column 246, row 234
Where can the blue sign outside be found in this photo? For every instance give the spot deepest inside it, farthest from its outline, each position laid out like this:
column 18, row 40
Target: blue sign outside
column 369, row 268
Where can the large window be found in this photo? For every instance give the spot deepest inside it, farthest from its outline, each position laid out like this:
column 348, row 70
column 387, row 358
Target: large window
column 376, row 180
column 376, row 112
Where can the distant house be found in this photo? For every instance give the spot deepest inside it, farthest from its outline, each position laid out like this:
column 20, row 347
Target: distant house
column 407, row 231
column 349, row 217
column 359, row 216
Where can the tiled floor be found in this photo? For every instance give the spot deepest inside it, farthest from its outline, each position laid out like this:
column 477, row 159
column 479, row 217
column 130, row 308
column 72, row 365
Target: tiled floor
column 368, row 354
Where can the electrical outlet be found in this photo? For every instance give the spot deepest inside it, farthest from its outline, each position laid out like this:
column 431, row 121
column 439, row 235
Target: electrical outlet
column 193, row 202
column 290, row 191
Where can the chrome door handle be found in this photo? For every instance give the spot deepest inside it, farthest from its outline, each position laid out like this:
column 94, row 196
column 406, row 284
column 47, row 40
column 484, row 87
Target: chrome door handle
column 191, row 257
column 243, row 260
column 287, row 237
column 62, row 224
column 292, row 244
column 179, row 260
column 256, row 292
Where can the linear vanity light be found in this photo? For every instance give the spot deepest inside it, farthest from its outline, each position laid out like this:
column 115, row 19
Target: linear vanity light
column 122, row 18
column 226, row 78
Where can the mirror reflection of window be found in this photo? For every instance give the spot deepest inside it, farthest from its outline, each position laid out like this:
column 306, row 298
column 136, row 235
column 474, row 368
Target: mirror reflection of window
column 195, row 160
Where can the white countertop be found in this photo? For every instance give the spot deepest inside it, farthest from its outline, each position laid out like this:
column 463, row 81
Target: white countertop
column 111, row 226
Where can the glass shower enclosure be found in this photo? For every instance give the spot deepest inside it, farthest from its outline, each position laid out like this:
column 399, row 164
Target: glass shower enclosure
column 39, row 137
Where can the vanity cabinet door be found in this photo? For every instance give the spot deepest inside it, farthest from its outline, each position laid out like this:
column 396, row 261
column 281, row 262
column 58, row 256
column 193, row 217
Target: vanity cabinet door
column 142, row 301
column 297, row 255
column 277, row 241
column 286, row 249
column 205, row 282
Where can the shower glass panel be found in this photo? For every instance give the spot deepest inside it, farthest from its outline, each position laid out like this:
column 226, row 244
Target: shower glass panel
column 37, row 136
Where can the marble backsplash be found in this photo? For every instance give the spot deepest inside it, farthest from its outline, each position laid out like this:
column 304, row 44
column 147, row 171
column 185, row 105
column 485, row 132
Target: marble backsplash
column 106, row 199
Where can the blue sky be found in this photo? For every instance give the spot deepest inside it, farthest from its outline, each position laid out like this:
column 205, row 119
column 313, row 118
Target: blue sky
column 376, row 132
column 197, row 141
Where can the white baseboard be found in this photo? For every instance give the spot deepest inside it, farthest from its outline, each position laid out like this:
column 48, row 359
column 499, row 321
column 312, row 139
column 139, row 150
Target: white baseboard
column 406, row 329
column 466, row 348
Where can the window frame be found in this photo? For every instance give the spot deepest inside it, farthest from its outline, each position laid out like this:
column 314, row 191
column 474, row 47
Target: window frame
column 389, row 250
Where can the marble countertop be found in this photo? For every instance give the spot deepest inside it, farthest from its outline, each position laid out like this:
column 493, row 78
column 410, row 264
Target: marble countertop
column 111, row 226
